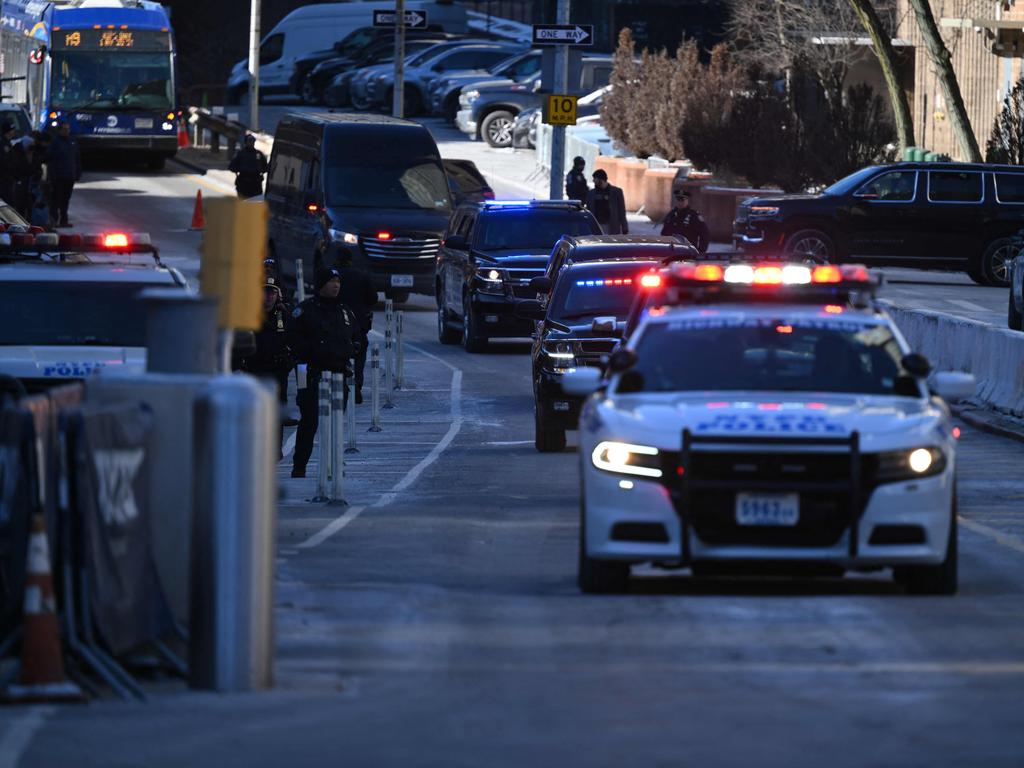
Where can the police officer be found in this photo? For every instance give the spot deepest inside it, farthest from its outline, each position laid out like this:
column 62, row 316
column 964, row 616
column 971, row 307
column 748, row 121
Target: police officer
column 272, row 357
column 359, row 297
column 576, row 182
column 249, row 166
column 687, row 222
column 320, row 334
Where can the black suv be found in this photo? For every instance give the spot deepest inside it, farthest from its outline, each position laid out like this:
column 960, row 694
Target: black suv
column 581, row 325
column 924, row 215
column 491, row 253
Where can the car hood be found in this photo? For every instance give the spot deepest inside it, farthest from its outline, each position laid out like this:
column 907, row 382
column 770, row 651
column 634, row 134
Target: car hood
column 69, row 362
column 882, row 422
column 369, row 221
column 515, row 259
column 773, row 199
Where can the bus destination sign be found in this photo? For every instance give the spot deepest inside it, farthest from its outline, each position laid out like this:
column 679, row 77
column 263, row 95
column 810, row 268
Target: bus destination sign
column 111, row 39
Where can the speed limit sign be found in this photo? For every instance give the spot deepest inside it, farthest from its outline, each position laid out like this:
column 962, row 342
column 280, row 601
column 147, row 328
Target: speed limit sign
column 560, row 109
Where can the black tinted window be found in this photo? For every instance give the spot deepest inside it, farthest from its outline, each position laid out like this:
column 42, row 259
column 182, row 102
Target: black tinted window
column 954, row 186
column 536, row 230
column 272, row 49
column 609, row 292
column 1010, row 187
column 896, row 186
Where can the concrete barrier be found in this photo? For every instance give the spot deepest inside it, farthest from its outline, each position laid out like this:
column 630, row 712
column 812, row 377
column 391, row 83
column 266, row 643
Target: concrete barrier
column 994, row 355
column 631, row 179
column 611, row 167
column 658, row 192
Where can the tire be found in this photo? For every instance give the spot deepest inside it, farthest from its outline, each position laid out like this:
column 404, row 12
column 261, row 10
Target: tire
column 995, row 262
column 445, row 333
column 308, row 91
column 1014, row 321
column 545, row 438
column 358, row 103
column 471, row 342
column 496, row 128
column 598, row 577
column 811, row 245
column 938, row 579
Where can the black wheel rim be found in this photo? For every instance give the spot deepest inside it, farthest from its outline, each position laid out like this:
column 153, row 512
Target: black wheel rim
column 999, row 263
column 811, row 248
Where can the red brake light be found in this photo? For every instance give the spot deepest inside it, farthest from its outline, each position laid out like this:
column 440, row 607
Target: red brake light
column 383, row 235
column 115, row 240
column 856, row 273
column 650, row 281
column 313, row 208
column 712, row 273
column 768, row 275
column 783, row 328
column 826, row 274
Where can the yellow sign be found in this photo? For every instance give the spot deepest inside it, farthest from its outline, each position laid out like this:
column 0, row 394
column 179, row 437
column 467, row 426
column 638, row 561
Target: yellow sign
column 73, row 40
column 560, row 110
column 234, row 247
column 117, row 40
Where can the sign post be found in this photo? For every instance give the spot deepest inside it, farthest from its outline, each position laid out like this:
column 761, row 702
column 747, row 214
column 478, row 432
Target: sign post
column 398, row 92
column 254, row 66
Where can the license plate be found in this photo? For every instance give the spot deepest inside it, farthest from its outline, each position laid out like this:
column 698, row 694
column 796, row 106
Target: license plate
column 401, row 281
column 143, row 122
column 767, row 508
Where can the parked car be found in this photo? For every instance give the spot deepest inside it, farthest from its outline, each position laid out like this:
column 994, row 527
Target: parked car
column 923, row 215
column 475, row 57
column 363, row 84
column 488, row 111
column 444, row 91
column 466, row 183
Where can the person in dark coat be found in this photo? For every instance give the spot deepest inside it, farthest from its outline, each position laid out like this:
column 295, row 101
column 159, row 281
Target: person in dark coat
column 320, row 334
column 360, row 297
column 576, row 182
column 272, row 358
column 21, row 170
column 608, row 205
column 249, row 166
column 8, row 133
column 687, row 222
column 64, row 162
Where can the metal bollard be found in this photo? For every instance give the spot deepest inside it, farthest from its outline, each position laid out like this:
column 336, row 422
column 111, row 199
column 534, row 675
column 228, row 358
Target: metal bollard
column 350, row 413
column 399, row 350
column 389, row 352
column 300, row 282
column 375, row 388
column 338, row 439
column 323, row 471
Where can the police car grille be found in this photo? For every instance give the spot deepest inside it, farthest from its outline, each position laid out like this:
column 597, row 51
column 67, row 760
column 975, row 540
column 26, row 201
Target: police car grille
column 519, row 279
column 402, row 247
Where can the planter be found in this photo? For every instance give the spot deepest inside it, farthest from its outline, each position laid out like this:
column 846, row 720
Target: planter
column 631, row 179
column 658, row 192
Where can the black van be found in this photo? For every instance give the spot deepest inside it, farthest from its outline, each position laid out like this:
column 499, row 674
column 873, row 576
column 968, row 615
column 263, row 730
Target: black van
column 372, row 183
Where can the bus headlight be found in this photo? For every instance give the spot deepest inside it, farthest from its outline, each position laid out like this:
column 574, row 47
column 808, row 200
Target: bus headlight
column 627, row 459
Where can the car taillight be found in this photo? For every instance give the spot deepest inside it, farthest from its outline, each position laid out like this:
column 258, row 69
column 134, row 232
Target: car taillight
column 650, row 281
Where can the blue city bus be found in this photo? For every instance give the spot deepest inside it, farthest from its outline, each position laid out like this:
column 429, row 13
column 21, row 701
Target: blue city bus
column 106, row 68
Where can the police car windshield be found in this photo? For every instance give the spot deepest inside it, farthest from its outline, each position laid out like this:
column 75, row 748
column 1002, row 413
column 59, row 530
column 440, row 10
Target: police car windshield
column 767, row 354
column 73, row 314
column 593, row 293
column 531, row 230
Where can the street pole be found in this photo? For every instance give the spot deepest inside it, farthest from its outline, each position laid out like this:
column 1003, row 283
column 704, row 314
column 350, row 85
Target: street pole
column 398, row 103
column 561, row 86
column 254, row 66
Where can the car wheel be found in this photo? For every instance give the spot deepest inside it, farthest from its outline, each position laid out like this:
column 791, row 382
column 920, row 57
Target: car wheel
column 359, row 103
column 996, row 260
column 811, row 245
column 938, row 579
column 309, row 92
column 445, row 333
column 545, row 439
column 598, row 577
column 497, row 128
column 1014, row 321
column 471, row 342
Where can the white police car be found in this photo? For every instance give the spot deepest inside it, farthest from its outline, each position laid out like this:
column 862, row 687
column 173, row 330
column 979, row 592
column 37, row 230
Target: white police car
column 66, row 315
column 766, row 418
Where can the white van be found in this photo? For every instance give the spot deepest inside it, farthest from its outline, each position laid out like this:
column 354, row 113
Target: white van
column 318, row 27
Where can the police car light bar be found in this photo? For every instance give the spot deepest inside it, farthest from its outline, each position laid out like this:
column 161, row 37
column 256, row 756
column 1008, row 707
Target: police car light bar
column 773, row 274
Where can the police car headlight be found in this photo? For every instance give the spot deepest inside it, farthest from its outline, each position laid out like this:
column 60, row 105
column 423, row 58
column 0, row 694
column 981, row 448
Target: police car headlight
column 896, row 466
column 349, row 238
column 627, row 459
column 560, row 352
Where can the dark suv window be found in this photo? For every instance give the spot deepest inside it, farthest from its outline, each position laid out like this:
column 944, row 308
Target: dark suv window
column 893, row 187
column 955, row 187
column 1010, row 187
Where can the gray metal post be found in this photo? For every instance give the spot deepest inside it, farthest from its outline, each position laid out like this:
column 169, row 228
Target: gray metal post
column 398, row 99
column 300, row 282
column 350, row 413
column 338, row 438
column 389, row 352
column 181, row 332
column 399, row 350
column 231, row 632
column 561, row 85
column 254, row 65
column 323, row 470
column 375, row 387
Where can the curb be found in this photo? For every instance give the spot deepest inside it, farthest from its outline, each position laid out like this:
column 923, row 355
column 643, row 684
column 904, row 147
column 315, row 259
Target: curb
column 992, row 423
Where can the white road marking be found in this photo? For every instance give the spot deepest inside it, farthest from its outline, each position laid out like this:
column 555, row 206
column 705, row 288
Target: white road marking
column 413, row 474
column 19, row 734
column 289, row 444
column 1008, row 540
column 968, row 305
column 509, row 442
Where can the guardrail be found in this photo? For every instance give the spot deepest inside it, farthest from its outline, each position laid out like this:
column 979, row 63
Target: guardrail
column 216, row 125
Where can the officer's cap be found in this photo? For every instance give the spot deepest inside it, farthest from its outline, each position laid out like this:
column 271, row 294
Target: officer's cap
column 324, row 275
column 681, row 193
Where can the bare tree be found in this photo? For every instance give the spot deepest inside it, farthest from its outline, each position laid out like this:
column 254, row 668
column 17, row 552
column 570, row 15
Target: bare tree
column 671, row 108
column 942, row 61
column 618, row 102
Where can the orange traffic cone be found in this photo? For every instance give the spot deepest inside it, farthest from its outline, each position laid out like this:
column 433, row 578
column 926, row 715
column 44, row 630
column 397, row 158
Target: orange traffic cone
column 198, row 221
column 41, row 677
column 183, row 141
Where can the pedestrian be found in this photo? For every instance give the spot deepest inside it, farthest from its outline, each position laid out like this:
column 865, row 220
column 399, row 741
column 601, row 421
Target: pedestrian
column 249, row 166
column 8, row 133
column 576, row 182
column 684, row 221
column 39, row 184
column 64, row 163
column 359, row 297
column 320, row 334
column 272, row 358
column 21, row 168
column 608, row 205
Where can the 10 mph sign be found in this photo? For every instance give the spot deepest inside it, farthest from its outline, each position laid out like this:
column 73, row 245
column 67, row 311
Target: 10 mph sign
column 560, row 109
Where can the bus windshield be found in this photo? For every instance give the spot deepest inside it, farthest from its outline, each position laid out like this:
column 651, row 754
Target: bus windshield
column 111, row 80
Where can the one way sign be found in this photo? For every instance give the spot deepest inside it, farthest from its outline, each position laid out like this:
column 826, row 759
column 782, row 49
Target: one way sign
column 413, row 19
column 563, row 34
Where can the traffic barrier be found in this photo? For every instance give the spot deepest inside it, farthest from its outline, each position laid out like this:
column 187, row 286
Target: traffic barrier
column 400, row 350
column 389, row 352
column 375, row 388
column 323, row 470
column 198, row 220
column 338, row 438
column 350, row 413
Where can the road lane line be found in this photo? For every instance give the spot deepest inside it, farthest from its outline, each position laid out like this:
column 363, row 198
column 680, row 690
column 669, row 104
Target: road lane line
column 1008, row 540
column 19, row 735
column 968, row 305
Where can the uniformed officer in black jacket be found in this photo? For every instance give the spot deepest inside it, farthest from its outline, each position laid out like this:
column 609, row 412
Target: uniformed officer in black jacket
column 576, row 182
column 249, row 166
column 321, row 334
column 686, row 221
column 359, row 297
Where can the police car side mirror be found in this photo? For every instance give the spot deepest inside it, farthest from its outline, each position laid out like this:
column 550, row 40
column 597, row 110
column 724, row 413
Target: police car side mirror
column 916, row 365
column 603, row 325
column 581, row 382
column 529, row 309
column 622, row 360
column 455, row 243
column 953, row 386
column 541, row 284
